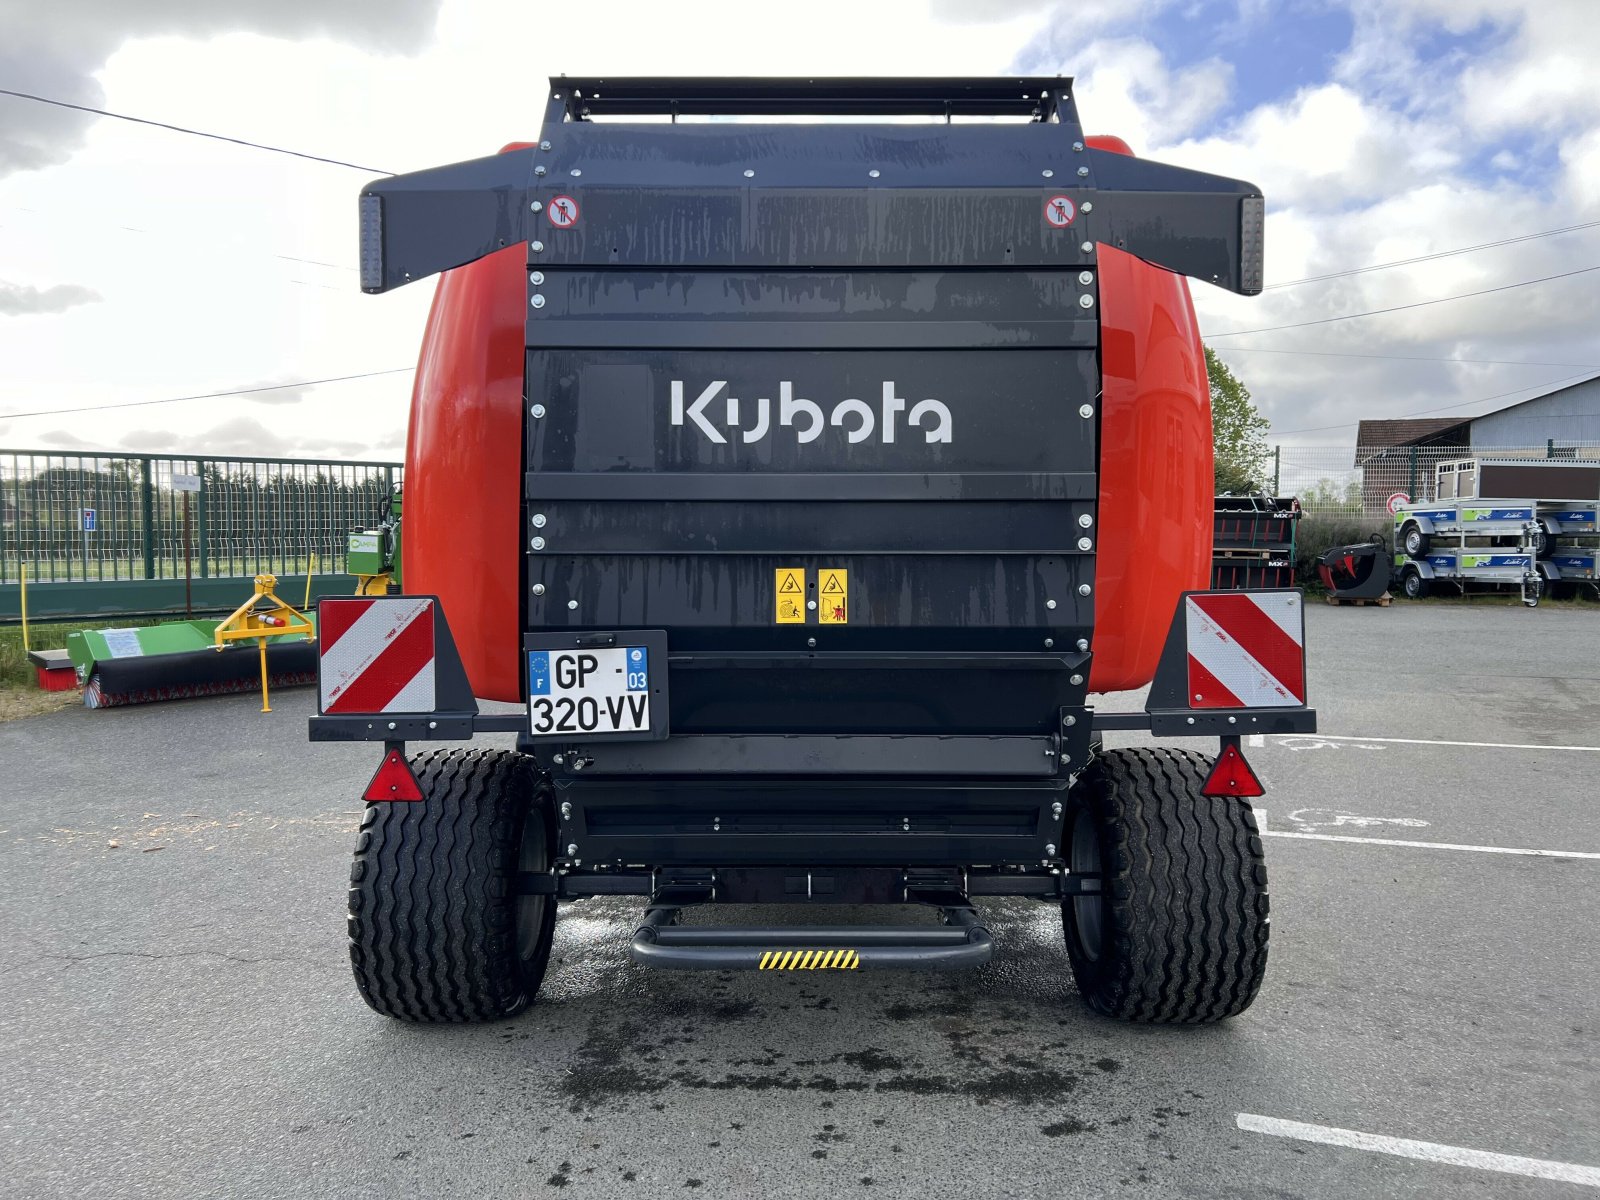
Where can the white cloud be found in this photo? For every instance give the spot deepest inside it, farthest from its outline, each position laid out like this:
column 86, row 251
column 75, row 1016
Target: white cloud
column 1126, row 88
column 53, row 49
column 280, row 396
column 1394, row 155
column 18, row 300
column 1542, row 77
column 1324, row 148
column 244, row 437
column 65, row 439
column 1580, row 156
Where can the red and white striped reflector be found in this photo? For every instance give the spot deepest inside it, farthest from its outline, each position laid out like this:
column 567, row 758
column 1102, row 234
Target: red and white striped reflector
column 377, row 655
column 1246, row 649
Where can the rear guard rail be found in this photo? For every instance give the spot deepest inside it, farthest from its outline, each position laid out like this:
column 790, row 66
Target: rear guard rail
column 963, row 942
column 1208, row 227
column 577, row 99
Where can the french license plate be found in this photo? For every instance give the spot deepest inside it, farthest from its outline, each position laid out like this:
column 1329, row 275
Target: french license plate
column 586, row 692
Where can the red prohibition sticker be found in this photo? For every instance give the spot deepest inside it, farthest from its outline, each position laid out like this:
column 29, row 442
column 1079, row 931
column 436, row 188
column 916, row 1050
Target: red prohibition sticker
column 1059, row 211
column 563, row 212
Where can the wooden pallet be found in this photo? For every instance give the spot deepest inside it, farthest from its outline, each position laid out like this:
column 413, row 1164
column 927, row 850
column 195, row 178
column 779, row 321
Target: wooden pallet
column 1357, row 602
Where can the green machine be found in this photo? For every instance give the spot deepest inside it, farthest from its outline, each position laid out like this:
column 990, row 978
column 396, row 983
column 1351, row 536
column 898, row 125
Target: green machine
column 179, row 659
column 373, row 555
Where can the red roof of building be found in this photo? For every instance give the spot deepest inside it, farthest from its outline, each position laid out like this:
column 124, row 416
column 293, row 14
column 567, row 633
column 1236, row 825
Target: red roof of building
column 1373, row 436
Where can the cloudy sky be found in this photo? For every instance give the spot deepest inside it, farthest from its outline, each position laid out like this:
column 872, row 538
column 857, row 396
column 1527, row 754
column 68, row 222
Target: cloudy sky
column 138, row 264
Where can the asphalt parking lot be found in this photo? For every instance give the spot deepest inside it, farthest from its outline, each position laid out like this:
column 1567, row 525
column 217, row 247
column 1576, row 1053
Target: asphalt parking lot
column 179, row 1018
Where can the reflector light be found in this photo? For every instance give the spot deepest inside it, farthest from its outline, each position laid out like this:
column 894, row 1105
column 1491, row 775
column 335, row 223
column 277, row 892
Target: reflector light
column 1252, row 244
column 393, row 781
column 1232, row 776
column 371, row 242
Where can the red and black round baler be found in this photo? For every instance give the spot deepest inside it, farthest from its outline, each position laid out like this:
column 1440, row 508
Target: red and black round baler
column 799, row 479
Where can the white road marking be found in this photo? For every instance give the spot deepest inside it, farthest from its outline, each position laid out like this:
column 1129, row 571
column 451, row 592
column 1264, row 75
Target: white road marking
column 1455, row 1156
column 1329, row 737
column 1256, row 740
column 1333, row 818
column 1261, row 819
column 1315, row 741
column 1366, row 841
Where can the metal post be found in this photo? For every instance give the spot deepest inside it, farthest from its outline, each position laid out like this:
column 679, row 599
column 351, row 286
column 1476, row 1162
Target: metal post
column 1550, row 448
column 1277, row 470
column 204, row 560
column 147, row 507
column 1411, row 480
column 188, row 579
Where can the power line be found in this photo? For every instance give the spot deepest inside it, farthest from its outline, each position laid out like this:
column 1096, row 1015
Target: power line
column 1378, row 312
column 250, row 391
column 100, row 112
column 1406, row 262
column 1419, row 412
column 1501, row 362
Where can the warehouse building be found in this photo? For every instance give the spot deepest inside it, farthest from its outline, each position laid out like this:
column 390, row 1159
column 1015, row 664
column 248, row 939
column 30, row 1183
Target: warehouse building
column 1400, row 455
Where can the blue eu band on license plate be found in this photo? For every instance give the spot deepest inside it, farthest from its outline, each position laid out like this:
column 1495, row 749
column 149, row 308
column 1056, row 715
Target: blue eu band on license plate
column 589, row 691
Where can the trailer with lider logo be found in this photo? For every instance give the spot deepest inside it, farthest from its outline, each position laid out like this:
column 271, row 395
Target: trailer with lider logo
column 1523, row 543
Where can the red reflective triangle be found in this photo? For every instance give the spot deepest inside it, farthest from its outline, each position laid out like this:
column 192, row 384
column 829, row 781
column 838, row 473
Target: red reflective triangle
column 1232, row 776
column 393, row 781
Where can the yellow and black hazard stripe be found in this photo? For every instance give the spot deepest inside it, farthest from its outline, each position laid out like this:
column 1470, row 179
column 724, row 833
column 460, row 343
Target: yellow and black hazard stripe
column 810, row 960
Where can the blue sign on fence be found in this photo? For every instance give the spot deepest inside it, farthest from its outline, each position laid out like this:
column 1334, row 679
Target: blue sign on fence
column 88, row 520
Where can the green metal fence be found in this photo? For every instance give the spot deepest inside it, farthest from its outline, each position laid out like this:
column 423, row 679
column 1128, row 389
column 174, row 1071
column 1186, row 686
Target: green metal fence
column 80, row 518
column 87, row 519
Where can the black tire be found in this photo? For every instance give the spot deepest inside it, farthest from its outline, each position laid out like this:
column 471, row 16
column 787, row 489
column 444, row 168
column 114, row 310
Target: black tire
column 1412, row 585
column 438, row 929
column 1413, row 541
column 1179, row 933
column 1544, row 545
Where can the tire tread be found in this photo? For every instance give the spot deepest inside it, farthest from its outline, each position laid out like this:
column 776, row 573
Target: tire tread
column 1187, row 918
column 433, row 897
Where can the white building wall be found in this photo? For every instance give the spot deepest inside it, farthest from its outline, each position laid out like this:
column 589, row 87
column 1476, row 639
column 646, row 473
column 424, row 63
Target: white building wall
column 1570, row 415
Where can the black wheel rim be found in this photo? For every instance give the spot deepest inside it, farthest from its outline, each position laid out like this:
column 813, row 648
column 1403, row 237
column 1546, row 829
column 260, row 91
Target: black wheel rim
column 534, row 859
column 1088, row 912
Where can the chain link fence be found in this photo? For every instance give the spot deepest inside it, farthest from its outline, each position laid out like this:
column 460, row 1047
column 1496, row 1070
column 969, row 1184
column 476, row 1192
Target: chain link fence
column 73, row 518
column 1339, row 481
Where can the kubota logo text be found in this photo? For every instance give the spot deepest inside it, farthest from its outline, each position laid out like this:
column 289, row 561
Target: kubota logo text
column 856, row 417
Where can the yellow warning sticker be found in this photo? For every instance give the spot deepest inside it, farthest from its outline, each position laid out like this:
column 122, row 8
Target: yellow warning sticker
column 810, row 960
column 833, row 599
column 791, row 596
